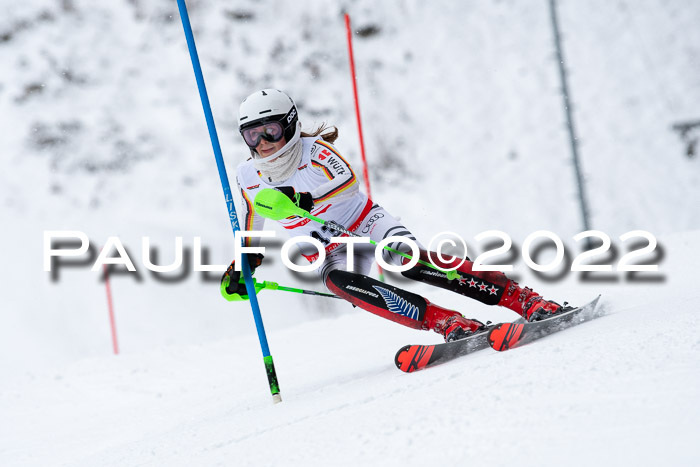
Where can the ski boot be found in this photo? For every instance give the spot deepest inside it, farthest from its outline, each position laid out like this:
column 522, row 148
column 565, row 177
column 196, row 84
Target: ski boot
column 452, row 325
column 546, row 309
column 529, row 304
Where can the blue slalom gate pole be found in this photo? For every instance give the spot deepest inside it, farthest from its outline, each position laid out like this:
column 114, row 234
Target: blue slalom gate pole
column 245, row 267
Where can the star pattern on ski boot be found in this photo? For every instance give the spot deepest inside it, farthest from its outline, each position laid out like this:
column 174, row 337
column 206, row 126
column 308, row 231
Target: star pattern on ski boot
column 482, row 287
column 493, row 290
column 472, row 283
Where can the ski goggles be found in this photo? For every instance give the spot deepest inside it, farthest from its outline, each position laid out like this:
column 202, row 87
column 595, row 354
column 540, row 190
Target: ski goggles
column 270, row 131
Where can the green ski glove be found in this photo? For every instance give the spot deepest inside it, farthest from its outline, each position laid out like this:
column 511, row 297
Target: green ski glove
column 232, row 282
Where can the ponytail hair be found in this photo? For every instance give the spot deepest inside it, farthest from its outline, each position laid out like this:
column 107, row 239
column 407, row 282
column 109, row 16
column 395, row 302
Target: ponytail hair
column 330, row 136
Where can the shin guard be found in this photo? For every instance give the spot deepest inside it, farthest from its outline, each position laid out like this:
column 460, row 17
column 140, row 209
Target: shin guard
column 396, row 304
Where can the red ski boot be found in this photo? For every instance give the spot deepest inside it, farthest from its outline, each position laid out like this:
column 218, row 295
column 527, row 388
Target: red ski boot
column 450, row 324
column 528, row 303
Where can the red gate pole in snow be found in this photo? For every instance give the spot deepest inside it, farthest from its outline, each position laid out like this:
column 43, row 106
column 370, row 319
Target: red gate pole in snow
column 365, row 172
column 110, row 307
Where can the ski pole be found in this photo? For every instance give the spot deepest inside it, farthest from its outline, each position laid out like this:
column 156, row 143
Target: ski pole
column 275, row 286
column 250, row 286
column 260, row 286
column 275, row 205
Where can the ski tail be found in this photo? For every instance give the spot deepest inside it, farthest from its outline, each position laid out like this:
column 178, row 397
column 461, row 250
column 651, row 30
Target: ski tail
column 413, row 357
column 506, row 336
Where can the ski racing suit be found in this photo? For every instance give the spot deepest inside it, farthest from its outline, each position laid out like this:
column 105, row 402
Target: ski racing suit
column 334, row 187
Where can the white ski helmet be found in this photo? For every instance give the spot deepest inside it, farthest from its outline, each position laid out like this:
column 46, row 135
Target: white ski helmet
column 268, row 114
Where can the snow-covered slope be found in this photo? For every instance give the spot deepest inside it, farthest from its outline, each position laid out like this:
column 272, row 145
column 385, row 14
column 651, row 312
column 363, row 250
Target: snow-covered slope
column 101, row 131
column 621, row 390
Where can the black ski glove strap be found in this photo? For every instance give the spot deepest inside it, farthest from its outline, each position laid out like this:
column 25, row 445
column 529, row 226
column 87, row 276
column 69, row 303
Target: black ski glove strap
column 235, row 285
column 304, row 199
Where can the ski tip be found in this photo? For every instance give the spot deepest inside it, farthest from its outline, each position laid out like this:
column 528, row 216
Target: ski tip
column 505, row 336
column 593, row 308
column 410, row 358
column 596, row 308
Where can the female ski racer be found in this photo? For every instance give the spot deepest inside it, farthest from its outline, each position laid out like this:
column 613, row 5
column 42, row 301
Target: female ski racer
column 311, row 172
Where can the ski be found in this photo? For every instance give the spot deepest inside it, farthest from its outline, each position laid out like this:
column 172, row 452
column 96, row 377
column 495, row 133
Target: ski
column 510, row 335
column 411, row 358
